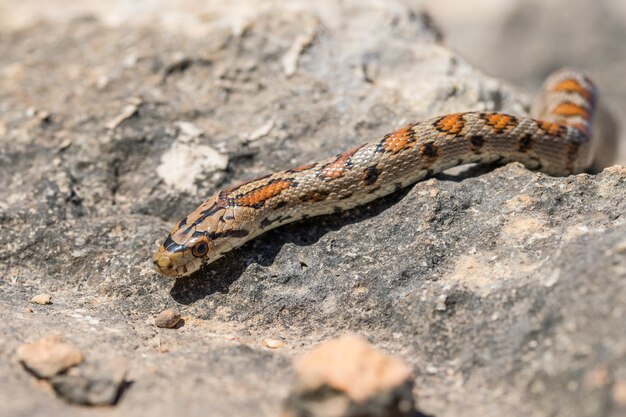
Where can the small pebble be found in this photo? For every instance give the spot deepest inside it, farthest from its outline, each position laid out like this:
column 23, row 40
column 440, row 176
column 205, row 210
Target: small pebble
column 430, row 369
column 273, row 343
column 42, row 299
column 28, row 309
column 167, row 319
column 49, row 356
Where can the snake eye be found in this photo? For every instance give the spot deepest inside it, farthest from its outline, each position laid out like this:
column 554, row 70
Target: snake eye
column 200, row 249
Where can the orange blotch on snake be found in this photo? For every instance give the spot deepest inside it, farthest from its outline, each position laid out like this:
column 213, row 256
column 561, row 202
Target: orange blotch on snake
column 572, row 86
column 399, row 140
column 570, row 109
column 500, row 122
column 340, row 165
column 258, row 196
column 451, row 124
column 552, row 129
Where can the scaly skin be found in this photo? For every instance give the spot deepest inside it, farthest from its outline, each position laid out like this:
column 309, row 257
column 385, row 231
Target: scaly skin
column 557, row 142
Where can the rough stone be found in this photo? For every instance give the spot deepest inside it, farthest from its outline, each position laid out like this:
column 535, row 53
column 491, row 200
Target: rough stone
column 501, row 288
column 42, row 299
column 167, row 319
column 273, row 343
column 49, row 356
column 347, row 377
column 93, row 383
column 619, row 394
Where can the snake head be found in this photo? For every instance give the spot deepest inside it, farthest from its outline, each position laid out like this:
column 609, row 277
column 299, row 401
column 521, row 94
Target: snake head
column 199, row 239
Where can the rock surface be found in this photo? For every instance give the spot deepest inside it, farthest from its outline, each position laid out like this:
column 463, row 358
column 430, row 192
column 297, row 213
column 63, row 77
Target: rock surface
column 503, row 289
column 346, row 377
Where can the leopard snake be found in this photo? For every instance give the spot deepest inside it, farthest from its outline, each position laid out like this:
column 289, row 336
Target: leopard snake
column 557, row 141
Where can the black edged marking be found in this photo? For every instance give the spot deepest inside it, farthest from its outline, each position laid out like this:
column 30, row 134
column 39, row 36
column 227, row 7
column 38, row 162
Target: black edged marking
column 267, row 222
column 203, row 215
column 457, row 127
column 228, row 233
column 182, row 223
column 525, row 143
column 381, row 147
column 429, row 150
column 280, row 204
column 477, row 142
column 342, row 162
column 172, row 246
column 371, row 175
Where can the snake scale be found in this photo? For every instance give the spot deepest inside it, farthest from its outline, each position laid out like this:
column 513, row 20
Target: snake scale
column 557, row 141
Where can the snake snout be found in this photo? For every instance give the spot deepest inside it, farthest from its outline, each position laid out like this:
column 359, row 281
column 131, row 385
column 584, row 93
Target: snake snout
column 163, row 264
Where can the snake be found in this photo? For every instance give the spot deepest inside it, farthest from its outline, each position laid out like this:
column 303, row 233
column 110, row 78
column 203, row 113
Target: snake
column 556, row 140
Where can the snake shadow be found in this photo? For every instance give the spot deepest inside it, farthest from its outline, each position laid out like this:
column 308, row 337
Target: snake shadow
column 218, row 276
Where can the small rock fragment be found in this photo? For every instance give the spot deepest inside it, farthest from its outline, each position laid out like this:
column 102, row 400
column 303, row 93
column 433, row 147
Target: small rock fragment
column 598, row 377
column 291, row 58
column 441, row 303
column 188, row 160
column 42, row 299
column 49, row 356
column 127, row 112
column 167, row 319
column 619, row 393
column 273, row 343
column 259, row 132
column 28, row 309
column 92, row 383
column 348, row 378
column 430, row 369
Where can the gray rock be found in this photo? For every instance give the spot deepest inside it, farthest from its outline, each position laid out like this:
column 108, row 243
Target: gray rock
column 503, row 289
column 98, row 383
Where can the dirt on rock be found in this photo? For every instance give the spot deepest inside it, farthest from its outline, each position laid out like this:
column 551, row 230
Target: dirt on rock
column 504, row 290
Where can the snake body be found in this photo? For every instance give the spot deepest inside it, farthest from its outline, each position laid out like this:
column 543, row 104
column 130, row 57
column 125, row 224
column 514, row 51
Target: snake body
column 556, row 141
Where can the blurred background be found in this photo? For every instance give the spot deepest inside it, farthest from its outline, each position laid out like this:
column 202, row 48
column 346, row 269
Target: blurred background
column 519, row 41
